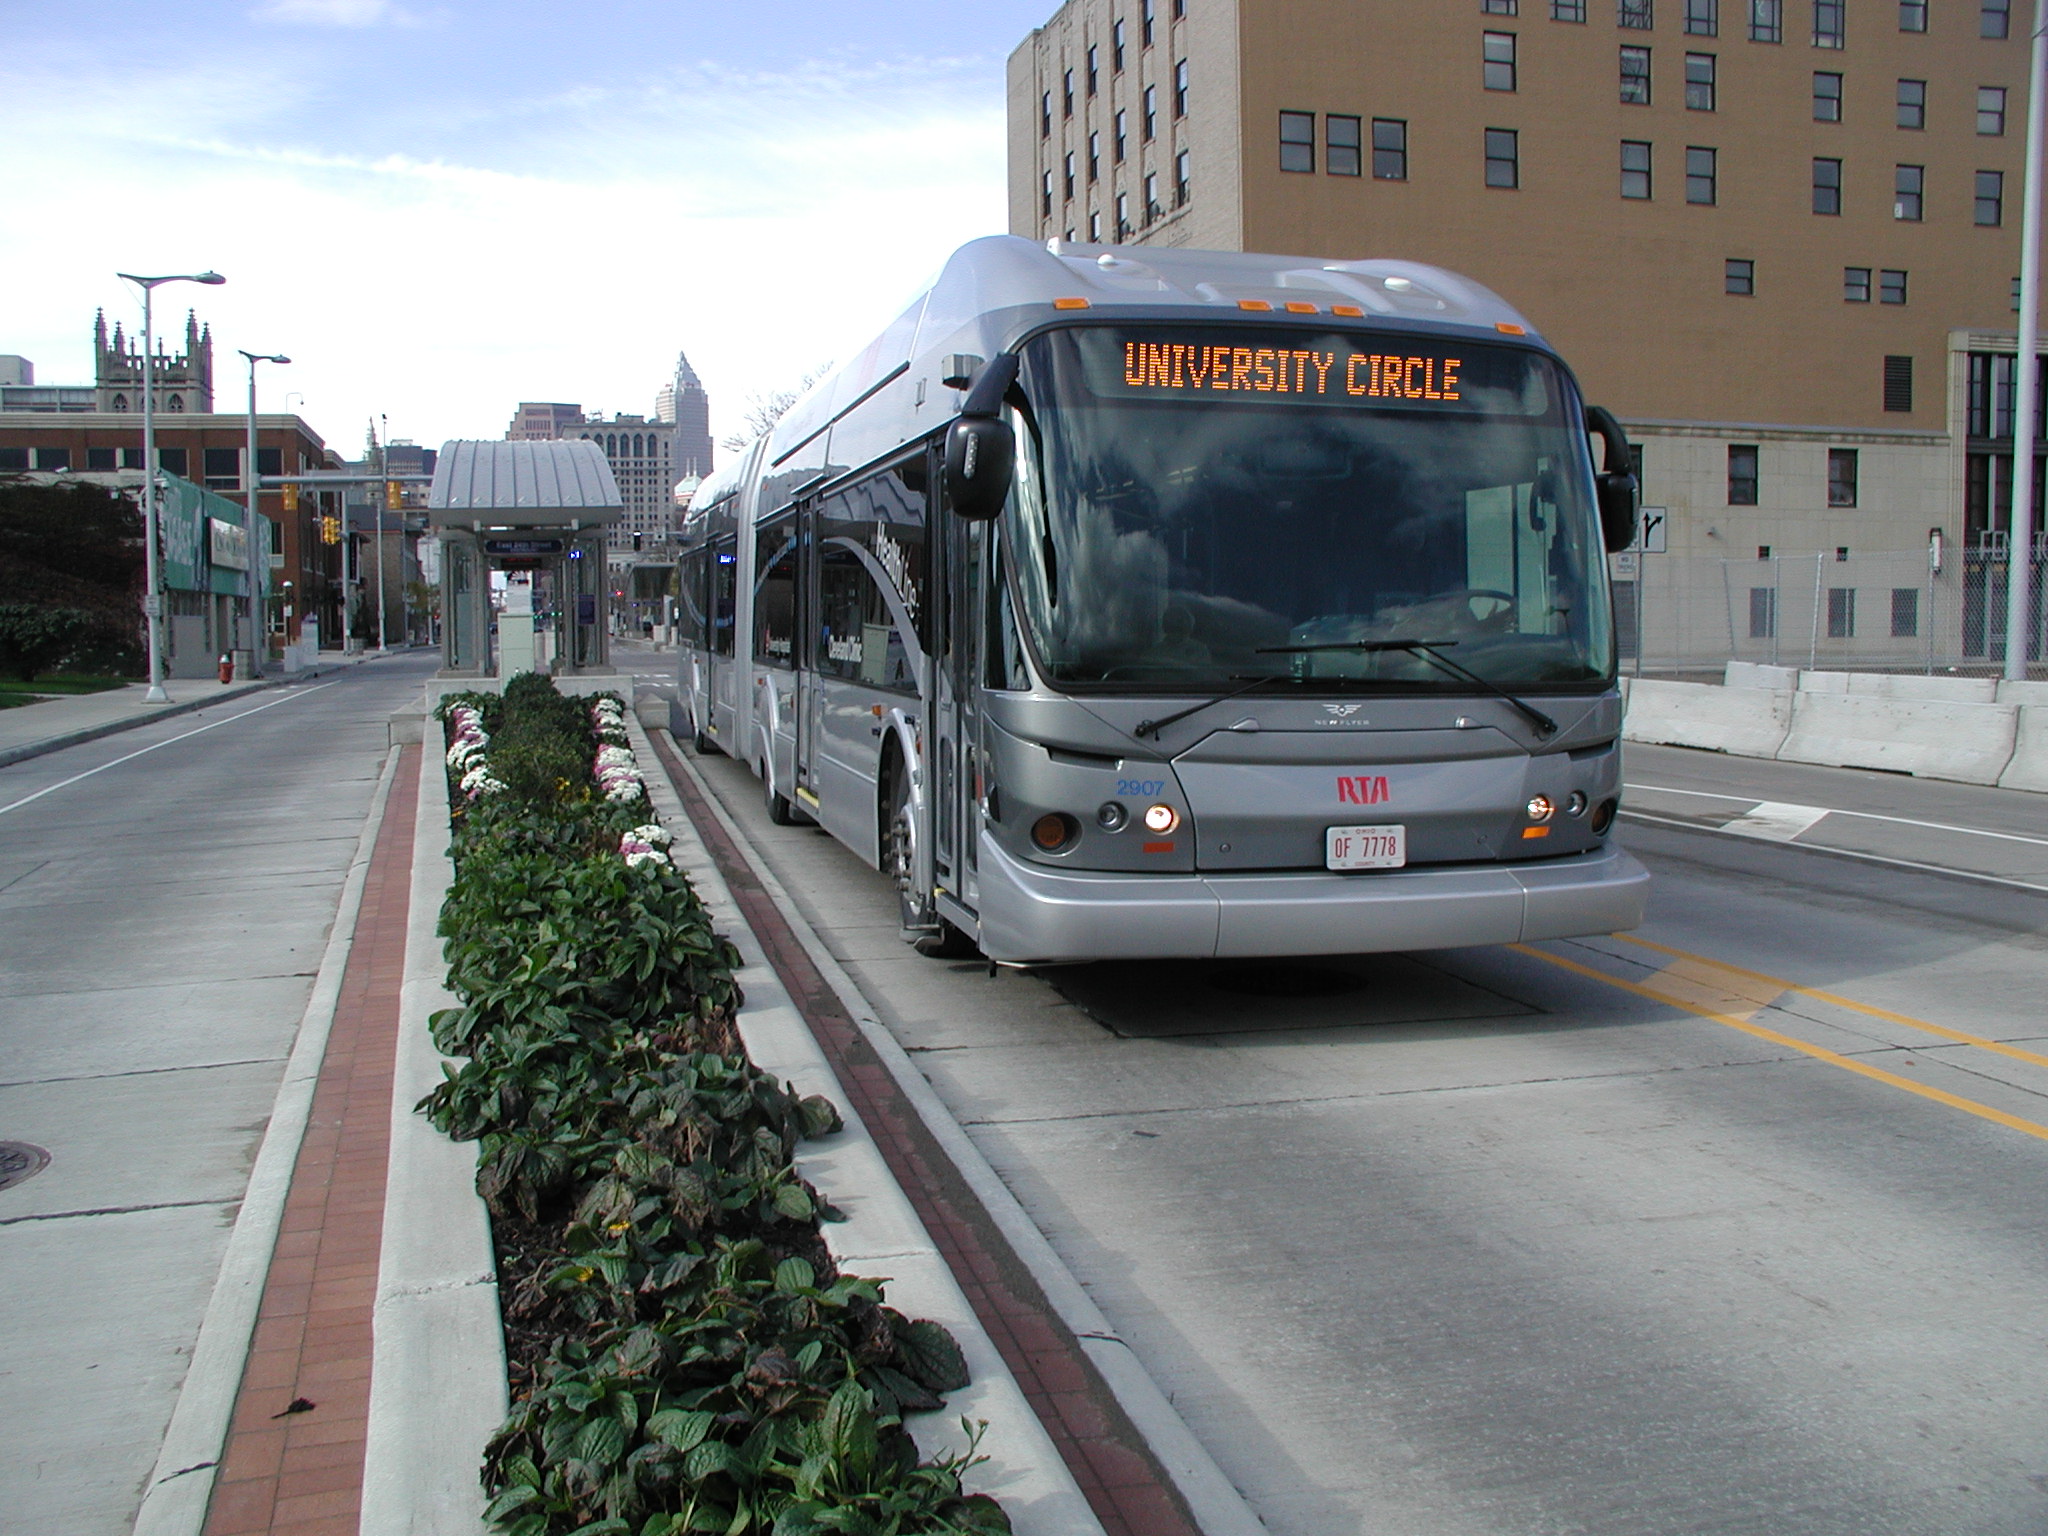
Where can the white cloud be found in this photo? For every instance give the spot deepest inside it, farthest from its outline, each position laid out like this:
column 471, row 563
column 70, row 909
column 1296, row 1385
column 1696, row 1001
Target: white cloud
column 336, row 13
column 764, row 224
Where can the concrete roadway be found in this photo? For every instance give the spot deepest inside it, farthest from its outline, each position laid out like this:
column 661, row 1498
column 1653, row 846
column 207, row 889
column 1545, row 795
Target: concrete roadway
column 1738, row 1224
column 161, row 919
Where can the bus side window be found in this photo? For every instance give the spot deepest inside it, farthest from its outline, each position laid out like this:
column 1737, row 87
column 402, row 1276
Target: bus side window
column 1005, row 648
column 724, row 587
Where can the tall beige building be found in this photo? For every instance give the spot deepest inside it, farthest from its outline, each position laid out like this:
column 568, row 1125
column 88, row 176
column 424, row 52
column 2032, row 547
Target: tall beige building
column 1779, row 238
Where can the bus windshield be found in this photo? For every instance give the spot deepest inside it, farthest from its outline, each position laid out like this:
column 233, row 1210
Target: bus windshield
column 1200, row 505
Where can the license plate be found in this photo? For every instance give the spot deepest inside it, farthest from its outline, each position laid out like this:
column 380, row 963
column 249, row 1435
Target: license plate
column 1365, row 847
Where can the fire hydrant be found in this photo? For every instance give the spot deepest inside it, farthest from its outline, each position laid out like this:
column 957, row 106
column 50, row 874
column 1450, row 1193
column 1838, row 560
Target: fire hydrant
column 227, row 668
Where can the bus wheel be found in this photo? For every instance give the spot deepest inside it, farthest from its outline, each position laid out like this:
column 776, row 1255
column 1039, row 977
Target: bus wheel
column 927, row 932
column 780, row 811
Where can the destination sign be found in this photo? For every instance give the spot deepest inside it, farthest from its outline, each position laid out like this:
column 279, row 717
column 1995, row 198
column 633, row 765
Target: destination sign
column 1184, row 366
column 522, row 546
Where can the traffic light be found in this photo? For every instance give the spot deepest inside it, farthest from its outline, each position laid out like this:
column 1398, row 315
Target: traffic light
column 330, row 530
column 394, row 496
column 291, row 498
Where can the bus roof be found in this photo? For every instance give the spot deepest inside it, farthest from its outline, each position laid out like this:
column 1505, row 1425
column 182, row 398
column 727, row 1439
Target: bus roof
column 992, row 290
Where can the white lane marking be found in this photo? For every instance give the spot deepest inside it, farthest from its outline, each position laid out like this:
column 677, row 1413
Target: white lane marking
column 1851, row 853
column 1899, row 821
column 299, row 693
column 1775, row 822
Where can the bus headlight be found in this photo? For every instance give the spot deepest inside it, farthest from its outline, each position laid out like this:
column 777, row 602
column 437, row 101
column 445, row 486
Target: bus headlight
column 1161, row 818
column 1540, row 808
column 1054, row 831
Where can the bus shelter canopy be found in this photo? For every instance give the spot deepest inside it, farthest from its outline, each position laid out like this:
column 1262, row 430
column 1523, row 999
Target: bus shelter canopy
column 480, row 486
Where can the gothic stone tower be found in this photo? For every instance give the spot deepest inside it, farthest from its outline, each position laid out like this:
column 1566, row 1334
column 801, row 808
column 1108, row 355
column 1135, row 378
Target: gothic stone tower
column 183, row 383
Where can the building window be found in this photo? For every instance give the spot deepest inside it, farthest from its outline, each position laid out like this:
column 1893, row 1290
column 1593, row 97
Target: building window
column 1635, row 76
column 1766, row 21
column 1912, row 110
column 2015, row 295
column 1827, row 186
column 222, row 468
column 1180, row 89
column 171, row 460
column 1045, row 206
column 1828, row 23
column 1180, row 10
column 1635, row 15
column 1898, row 383
column 1855, row 285
column 1094, row 229
column 1341, row 146
column 1742, row 474
column 1045, row 115
column 60, row 458
column 1151, row 113
column 1497, row 7
column 1635, row 168
column 131, row 458
column 1094, row 158
column 1703, row 18
column 1568, row 10
column 1145, row 14
column 99, row 458
column 1842, row 611
column 1990, row 199
column 1390, row 149
column 1119, row 136
column 1094, row 61
column 1891, row 286
column 1182, row 185
column 1905, row 612
column 1991, row 111
column 1763, row 612
column 1498, row 52
column 1297, row 141
column 1116, row 46
column 1912, row 15
column 1841, row 477
column 1153, row 209
column 1123, row 216
column 1067, row 94
column 1069, row 183
column 1699, row 82
column 1503, row 158
column 1827, row 97
column 1701, row 175
column 1994, row 18
column 1908, row 181
column 1738, row 276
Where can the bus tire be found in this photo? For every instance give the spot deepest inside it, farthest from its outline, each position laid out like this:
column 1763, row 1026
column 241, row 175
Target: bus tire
column 780, row 811
column 923, row 929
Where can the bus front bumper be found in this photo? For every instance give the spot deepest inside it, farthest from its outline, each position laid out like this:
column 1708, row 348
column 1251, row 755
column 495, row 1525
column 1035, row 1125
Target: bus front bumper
column 1033, row 914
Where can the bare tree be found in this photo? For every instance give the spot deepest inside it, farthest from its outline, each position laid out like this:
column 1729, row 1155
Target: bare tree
column 763, row 411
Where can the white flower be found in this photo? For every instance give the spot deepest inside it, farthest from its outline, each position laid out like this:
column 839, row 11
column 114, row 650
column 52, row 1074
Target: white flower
column 648, row 856
column 654, row 834
column 616, row 756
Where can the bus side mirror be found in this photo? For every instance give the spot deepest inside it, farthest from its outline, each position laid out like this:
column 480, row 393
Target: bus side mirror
column 980, row 453
column 1616, row 481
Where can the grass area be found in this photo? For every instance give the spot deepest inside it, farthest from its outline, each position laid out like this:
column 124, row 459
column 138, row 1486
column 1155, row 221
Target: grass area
column 15, row 691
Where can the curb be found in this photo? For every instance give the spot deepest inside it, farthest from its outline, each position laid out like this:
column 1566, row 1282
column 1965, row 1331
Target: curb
column 175, row 1499
column 882, row 1235
column 437, row 1372
column 1212, row 1499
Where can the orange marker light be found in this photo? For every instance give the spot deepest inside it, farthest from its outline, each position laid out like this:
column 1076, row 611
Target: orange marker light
column 1348, row 311
column 1158, row 847
column 1069, row 303
column 1296, row 307
column 1255, row 304
column 1510, row 330
column 1528, row 832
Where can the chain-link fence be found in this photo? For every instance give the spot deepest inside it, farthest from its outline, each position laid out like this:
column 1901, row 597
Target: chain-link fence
column 1829, row 610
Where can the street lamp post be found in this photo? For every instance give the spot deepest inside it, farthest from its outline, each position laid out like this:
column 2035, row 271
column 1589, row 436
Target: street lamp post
column 250, row 481
column 383, row 493
column 153, row 597
column 2020, row 538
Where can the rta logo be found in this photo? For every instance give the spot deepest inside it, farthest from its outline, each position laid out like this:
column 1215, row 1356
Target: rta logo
column 1362, row 789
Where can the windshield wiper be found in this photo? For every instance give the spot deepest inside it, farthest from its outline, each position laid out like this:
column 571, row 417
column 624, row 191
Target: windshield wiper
column 1428, row 650
column 1154, row 727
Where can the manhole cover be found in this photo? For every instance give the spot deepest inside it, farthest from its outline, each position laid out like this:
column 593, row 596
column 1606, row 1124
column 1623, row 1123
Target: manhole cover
column 20, row 1160
column 1286, row 981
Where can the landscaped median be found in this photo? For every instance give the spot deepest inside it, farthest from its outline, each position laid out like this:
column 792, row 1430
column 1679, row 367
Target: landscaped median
column 683, row 1353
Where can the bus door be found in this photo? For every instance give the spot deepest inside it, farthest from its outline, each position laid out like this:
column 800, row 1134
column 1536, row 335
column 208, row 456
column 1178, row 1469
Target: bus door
column 723, row 609
column 809, row 700
column 959, row 559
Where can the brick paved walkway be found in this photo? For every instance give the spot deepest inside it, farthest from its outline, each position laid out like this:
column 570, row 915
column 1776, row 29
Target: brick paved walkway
column 1124, row 1486
column 301, row 1473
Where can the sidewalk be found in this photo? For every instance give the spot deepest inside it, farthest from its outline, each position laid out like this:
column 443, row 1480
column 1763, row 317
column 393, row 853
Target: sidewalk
column 30, row 730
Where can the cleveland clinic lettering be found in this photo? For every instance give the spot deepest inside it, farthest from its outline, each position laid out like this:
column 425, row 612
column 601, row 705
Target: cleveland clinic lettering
column 1177, row 365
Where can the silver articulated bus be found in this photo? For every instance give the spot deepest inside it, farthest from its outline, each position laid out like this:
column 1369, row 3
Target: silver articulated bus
column 1147, row 603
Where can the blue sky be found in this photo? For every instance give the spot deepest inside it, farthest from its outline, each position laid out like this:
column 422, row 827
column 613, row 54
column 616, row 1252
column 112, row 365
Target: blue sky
column 439, row 209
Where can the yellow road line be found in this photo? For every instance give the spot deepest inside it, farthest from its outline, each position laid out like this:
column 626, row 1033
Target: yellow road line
column 1818, row 1053
column 1850, row 1003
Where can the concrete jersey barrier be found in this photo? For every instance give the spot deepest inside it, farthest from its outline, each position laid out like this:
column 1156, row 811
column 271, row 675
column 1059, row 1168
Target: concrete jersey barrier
column 2029, row 766
column 1751, row 722
column 1971, row 743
